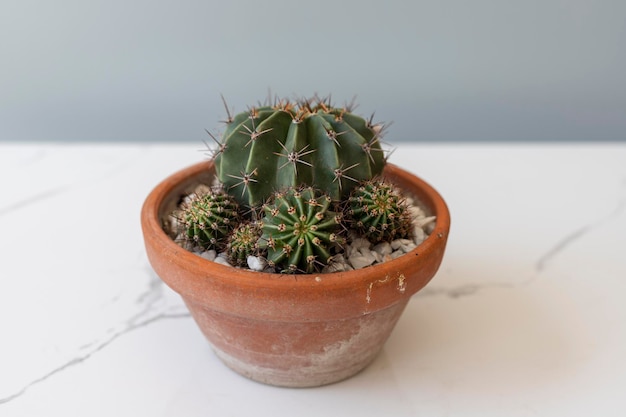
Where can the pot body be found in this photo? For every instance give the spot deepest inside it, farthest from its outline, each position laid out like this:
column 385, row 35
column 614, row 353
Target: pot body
column 296, row 353
column 292, row 330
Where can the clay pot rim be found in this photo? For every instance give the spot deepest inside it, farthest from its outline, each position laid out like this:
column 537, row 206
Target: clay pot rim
column 226, row 275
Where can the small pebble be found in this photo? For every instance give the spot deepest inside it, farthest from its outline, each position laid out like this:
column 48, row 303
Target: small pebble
column 383, row 248
column 256, row 263
column 209, row 254
column 339, row 258
column 174, row 224
column 416, row 213
column 334, row 267
column 408, row 247
column 221, row 260
column 398, row 243
column 418, row 235
column 359, row 261
column 425, row 221
column 358, row 244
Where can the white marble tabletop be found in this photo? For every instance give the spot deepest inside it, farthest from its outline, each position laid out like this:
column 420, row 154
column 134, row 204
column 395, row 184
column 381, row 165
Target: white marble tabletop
column 526, row 317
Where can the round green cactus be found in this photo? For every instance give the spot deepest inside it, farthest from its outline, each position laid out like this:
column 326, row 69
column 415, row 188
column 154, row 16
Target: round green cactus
column 288, row 144
column 299, row 230
column 243, row 242
column 377, row 209
column 208, row 218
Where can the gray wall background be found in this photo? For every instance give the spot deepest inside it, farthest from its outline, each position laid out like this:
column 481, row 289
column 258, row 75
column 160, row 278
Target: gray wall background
column 441, row 70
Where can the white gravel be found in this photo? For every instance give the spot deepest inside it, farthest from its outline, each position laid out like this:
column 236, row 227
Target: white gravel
column 257, row 263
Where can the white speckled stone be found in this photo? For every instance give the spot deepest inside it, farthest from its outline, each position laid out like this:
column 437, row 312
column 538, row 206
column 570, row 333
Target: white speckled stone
column 75, row 317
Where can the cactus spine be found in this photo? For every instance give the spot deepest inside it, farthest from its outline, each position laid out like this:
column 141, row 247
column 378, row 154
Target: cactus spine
column 208, row 218
column 299, row 230
column 376, row 208
column 288, row 144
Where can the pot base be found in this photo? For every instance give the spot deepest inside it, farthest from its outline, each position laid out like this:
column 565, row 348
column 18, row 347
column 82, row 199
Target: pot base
column 307, row 377
column 301, row 354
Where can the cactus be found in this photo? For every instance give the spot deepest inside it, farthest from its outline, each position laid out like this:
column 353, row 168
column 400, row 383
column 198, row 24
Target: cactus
column 243, row 242
column 288, row 144
column 207, row 219
column 376, row 209
column 299, row 230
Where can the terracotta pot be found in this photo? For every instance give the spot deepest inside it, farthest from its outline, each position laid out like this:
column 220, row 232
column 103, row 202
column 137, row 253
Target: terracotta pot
column 292, row 330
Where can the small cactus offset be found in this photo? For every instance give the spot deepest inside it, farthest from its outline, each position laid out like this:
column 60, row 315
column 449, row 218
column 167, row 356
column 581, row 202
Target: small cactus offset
column 288, row 144
column 244, row 242
column 377, row 209
column 299, row 230
column 208, row 218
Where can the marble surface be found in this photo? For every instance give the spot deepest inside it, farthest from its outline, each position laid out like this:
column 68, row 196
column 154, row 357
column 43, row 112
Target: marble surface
column 526, row 316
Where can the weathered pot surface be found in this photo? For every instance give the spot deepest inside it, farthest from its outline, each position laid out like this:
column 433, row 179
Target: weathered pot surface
column 292, row 330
